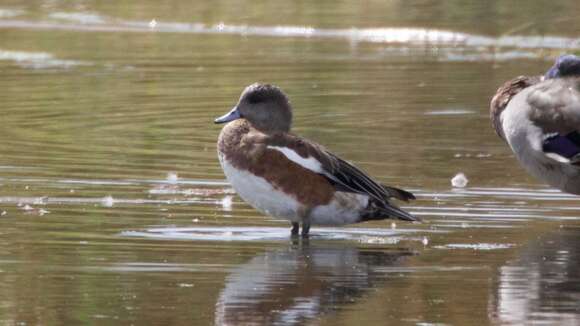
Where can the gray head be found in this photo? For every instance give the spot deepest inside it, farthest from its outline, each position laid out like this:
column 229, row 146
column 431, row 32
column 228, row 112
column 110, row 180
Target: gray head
column 566, row 66
column 265, row 106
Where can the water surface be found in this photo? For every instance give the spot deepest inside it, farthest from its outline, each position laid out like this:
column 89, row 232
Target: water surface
column 114, row 210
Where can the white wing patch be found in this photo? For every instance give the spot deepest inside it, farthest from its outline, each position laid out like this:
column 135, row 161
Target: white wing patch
column 558, row 158
column 310, row 163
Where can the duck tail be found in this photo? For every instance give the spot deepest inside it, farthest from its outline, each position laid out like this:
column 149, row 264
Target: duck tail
column 384, row 211
column 399, row 193
column 394, row 211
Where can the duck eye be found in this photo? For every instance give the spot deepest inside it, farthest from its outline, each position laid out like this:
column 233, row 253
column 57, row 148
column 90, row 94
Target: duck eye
column 253, row 99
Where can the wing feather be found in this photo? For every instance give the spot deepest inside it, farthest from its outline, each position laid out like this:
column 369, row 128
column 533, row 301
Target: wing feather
column 555, row 108
column 555, row 105
column 341, row 174
column 351, row 177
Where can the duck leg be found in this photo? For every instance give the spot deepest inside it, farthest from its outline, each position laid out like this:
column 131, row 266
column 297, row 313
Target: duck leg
column 295, row 228
column 305, row 229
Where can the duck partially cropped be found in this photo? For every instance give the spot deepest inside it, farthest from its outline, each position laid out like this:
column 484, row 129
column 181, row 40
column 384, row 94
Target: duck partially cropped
column 539, row 118
column 289, row 177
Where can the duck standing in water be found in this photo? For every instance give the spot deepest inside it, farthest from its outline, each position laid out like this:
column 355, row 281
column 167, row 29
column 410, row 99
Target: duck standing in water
column 286, row 176
column 539, row 118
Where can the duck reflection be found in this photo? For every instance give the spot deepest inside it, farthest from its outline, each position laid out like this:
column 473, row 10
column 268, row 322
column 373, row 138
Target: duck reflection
column 543, row 284
column 294, row 285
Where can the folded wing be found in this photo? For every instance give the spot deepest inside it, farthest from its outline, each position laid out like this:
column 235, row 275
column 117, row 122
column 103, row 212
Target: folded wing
column 555, row 108
column 342, row 175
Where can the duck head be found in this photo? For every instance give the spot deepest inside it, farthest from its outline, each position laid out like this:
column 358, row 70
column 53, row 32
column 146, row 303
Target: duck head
column 566, row 65
column 265, row 106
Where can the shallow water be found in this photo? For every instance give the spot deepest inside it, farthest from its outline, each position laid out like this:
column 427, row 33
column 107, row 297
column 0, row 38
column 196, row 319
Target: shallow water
column 113, row 208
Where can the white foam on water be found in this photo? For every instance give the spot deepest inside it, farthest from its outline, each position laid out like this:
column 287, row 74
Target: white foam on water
column 79, row 17
column 38, row 60
column 383, row 236
column 379, row 240
column 459, row 180
column 490, row 56
column 448, row 45
column 102, row 200
column 449, row 112
column 172, row 177
column 477, row 246
column 108, row 201
column 227, row 203
column 9, row 13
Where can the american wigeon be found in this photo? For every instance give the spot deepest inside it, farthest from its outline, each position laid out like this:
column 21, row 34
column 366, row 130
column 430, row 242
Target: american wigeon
column 286, row 176
column 539, row 117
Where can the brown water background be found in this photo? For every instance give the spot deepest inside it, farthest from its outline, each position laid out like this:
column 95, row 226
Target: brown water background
column 114, row 210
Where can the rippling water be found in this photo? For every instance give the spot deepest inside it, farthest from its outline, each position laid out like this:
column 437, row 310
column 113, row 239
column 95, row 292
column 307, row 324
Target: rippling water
column 113, row 208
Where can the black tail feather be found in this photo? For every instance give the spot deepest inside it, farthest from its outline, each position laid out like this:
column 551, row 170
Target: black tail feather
column 394, row 211
column 383, row 211
column 399, row 193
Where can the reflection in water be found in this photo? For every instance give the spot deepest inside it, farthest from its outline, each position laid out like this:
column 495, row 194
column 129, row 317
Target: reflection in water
column 295, row 285
column 543, row 284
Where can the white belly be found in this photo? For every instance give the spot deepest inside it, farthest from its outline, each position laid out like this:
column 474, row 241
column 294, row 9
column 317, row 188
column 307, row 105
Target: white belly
column 344, row 208
column 257, row 192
